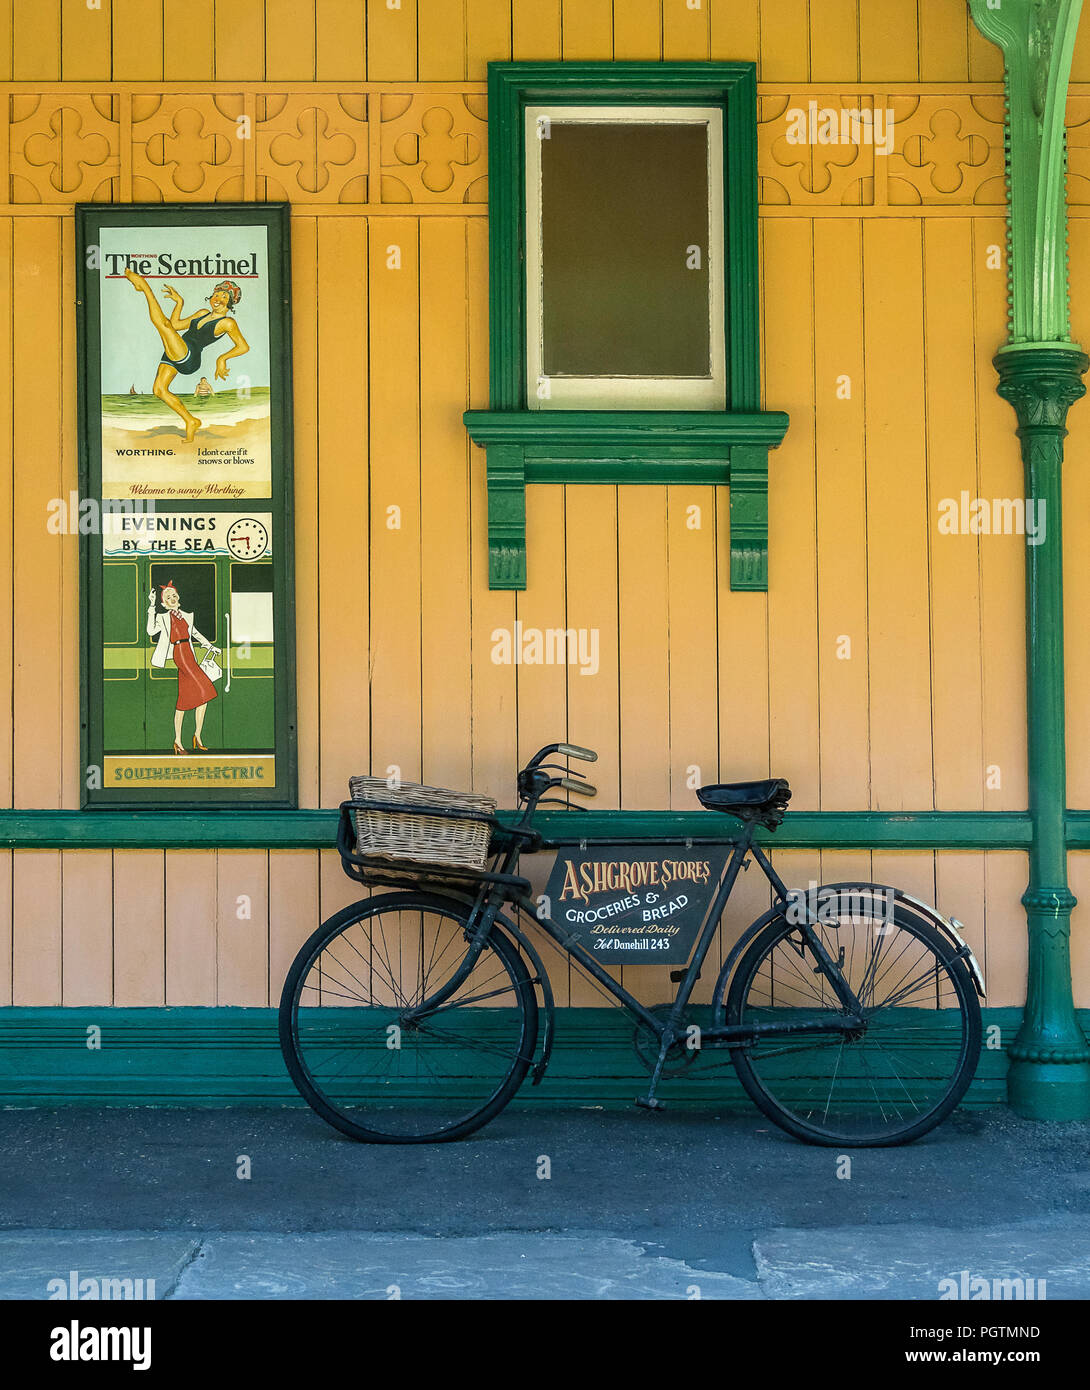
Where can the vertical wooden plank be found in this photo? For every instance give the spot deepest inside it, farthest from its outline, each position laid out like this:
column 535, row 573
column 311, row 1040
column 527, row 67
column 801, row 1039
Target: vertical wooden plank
column 785, row 41
column 85, row 42
column 293, row 910
column 834, row 42
column 240, row 41
column 1076, row 501
column 6, row 41
column 587, row 29
column 692, row 603
column 960, row 891
column 190, row 926
column 343, row 582
column 637, row 30
column 335, row 888
column 542, row 687
column 535, row 29
column 36, row 40
column 242, row 927
column 440, row 41
column 912, row 870
column 7, row 530
column 37, row 727
column 897, row 522
column 646, row 670
column 395, row 483
column 340, row 41
column 86, row 927
column 72, row 775
column 944, row 41
column 985, row 58
column 792, row 657
column 957, row 687
column 495, row 710
column 593, row 696
column 290, row 41
column 1006, row 875
column 446, row 603
column 1002, row 560
column 189, row 41
column 136, row 40
column 391, row 40
column 36, row 927
column 644, row 641
column 735, row 29
column 6, row 942
column 889, row 41
column 742, row 652
column 488, row 36
column 685, row 30
column 1080, row 60
column 139, row 895
column 843, row 661
column 304, row 274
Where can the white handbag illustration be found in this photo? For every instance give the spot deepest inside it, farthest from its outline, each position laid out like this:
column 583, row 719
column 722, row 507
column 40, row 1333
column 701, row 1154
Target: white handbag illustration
column 210, row 666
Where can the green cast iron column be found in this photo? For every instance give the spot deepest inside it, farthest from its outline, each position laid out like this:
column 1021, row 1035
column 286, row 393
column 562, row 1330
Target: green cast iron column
column 1040, row 371
column 1049, row 1076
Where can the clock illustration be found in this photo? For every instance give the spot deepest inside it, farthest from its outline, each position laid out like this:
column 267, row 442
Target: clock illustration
column 247, row 539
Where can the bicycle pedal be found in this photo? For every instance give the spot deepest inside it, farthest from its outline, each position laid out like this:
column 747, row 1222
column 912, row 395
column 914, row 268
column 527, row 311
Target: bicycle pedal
column 649, row 1103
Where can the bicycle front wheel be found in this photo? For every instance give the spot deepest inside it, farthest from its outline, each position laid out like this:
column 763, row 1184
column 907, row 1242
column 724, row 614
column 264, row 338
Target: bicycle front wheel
column 369, row 1058
column 887, row 1082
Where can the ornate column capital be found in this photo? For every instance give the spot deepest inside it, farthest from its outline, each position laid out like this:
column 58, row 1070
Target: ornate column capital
column 1042, row 383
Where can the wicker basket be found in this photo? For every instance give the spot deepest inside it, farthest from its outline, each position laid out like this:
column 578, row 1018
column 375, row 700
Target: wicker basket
column 415, row 836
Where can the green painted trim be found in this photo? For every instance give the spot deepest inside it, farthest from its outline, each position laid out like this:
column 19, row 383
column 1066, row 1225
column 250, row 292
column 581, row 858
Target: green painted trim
column 524, row 446
column 317, row 829
column 213, row 1057
column 597, row 446
column 275, row 217
column 1037, row 38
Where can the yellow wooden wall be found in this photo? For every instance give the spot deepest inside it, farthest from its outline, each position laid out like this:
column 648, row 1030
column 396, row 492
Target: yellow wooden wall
column 872, row 269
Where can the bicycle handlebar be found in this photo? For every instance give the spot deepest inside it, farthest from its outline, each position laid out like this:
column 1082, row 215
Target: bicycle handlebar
column 569, row 750
column 583, row 788
column 572, row 750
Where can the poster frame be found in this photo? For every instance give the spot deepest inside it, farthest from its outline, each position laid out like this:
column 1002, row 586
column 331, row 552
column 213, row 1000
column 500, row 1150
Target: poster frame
column 91, row 218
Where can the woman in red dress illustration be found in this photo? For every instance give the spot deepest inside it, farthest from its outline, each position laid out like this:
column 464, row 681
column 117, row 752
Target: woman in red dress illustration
column 174, row 632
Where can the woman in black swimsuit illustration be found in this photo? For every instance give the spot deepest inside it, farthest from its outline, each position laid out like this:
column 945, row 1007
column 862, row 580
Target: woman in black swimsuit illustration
column 185, row 339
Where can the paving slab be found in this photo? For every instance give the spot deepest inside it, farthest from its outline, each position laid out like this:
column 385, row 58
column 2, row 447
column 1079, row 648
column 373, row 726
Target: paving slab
column 515, row 1265
column 32, row 1261
column 913, row 1261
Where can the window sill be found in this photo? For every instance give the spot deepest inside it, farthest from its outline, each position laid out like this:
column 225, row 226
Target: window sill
column 599, row 446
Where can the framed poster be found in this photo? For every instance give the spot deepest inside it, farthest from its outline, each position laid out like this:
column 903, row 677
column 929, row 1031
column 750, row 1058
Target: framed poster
column 187, row 624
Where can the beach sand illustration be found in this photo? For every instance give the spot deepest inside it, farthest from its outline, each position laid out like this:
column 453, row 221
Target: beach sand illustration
column 234, row 428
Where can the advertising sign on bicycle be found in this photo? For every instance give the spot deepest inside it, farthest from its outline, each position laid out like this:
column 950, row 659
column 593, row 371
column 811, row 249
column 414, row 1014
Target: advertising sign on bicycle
column 636, row 902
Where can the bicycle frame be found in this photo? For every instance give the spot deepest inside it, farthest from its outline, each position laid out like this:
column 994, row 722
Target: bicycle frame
column 488, row 905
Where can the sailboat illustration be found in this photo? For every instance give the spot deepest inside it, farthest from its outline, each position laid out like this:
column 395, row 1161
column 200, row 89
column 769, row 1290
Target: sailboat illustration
column 132, row 390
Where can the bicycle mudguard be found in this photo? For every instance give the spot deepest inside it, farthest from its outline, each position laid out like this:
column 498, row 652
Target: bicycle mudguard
column 547, row 1004
column 950, row 927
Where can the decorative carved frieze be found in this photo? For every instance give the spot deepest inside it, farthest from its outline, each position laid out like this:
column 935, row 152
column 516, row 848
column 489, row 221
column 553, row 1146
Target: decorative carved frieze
column 424, row 146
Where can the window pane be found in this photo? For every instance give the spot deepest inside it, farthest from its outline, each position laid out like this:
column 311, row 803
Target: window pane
column 621, row 207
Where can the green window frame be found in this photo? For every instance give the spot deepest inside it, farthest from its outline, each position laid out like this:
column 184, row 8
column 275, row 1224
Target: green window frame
column 524, row 445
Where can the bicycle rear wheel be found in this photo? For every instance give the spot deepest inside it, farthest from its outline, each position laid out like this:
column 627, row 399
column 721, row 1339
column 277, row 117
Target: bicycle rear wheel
column 893, row 1079
column 379, row 1075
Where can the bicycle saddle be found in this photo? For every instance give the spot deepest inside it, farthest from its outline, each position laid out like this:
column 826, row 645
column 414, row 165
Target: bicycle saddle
column 760, row 801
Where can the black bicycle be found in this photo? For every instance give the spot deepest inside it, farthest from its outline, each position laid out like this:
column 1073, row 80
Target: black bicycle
column 850, row 1014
